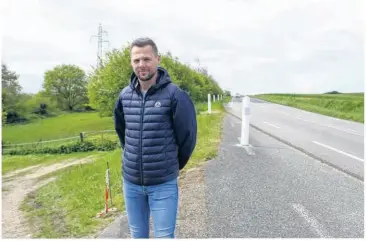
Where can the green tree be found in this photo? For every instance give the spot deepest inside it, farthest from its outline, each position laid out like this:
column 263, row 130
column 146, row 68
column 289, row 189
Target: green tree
column 227, row 93
column 12, row 106
column 67, row 85
column 106, row 82
column 10, row 88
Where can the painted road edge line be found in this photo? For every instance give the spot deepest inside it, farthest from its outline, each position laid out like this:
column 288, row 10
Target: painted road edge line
column 353, row 174
column 301, row 210
column 271, row 124
column 339, row 151
column 349, row 131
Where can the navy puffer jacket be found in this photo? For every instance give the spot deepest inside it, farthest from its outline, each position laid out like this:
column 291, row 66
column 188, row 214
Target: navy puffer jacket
column 157, row 133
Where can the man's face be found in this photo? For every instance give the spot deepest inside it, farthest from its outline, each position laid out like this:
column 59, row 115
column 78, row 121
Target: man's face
column 144, row 62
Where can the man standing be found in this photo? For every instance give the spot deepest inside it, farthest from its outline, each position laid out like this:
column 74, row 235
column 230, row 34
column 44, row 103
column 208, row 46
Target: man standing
column 156, row 124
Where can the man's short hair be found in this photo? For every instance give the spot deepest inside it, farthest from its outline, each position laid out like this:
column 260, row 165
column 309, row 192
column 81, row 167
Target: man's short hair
column 142, row 42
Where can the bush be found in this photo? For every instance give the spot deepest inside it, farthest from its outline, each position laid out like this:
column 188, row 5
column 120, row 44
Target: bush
column 13, row 117
column 105, row 145
column 4, row 117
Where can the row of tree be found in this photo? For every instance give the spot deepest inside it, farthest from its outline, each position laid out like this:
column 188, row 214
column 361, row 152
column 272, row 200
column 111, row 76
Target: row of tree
column 106, row 82
column 64, row 89
column 68, row 88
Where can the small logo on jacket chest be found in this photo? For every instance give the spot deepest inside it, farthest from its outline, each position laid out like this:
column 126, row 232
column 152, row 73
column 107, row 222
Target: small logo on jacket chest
column 157, row 104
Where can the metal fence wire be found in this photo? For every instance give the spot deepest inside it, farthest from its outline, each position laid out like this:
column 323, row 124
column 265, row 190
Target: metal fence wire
column 90, row 136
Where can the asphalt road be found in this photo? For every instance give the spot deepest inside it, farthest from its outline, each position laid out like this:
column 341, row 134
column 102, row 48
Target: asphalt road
column 278, row 192
column 268, row 191
column 339, row 143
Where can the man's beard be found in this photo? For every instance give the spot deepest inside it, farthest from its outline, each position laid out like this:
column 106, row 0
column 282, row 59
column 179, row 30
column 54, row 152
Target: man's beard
column 149, row 77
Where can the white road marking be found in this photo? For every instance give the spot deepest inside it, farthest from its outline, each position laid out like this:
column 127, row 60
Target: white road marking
column 345, row 130
column 339, row 151
column 284, row 113
column 350, row 131
column 305, row 120
column 354, row 132
column 271, row 124
column 319, row 230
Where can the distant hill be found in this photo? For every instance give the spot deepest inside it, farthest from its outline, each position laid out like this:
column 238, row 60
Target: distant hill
column 333, row 92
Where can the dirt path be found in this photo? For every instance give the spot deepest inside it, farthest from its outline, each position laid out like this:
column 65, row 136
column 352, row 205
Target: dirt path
column 16, row 188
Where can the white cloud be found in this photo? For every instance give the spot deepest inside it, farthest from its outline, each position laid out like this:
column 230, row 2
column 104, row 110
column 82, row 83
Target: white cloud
column 248, row 46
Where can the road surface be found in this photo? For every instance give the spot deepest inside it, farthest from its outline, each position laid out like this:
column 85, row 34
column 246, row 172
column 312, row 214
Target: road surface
column 278, row 192
column 275, row 191
column 339, row 143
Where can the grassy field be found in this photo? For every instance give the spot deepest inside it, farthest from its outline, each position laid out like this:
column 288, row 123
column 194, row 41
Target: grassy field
column 345, row 106
column 66, row 125
column 67, row 207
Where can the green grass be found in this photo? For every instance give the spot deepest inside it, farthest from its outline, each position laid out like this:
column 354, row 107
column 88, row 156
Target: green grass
column 11, row 163
column 349, row 106
column 209, row 136
column 66, row 125
column 67, row 207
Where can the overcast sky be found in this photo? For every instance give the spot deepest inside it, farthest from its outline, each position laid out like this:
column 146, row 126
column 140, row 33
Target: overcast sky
column 248, row 46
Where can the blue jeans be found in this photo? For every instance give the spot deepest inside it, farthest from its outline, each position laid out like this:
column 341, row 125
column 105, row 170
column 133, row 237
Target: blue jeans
column 159, row 200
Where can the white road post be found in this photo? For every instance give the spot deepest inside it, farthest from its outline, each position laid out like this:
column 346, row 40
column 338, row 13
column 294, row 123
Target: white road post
column 245, row 114
column 214, row 99
column 230, row 104
column 209, row 103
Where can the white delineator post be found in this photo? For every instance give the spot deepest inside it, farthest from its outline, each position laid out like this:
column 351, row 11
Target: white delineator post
column 209, row 103
column 213, row 98
column 245, row 114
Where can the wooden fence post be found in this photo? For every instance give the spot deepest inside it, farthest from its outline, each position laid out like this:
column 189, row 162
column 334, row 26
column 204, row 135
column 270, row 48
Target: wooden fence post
column 82, row 136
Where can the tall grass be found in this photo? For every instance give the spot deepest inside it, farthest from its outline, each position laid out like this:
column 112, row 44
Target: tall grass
column 345, row 106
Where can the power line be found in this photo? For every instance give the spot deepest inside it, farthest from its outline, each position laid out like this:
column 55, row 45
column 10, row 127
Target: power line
column 100, row 43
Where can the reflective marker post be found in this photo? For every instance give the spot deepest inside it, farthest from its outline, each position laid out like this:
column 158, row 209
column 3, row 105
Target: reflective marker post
column 209, row 103
column 245, row 114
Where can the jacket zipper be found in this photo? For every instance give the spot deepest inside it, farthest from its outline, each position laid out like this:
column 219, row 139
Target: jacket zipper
column 141, row 125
